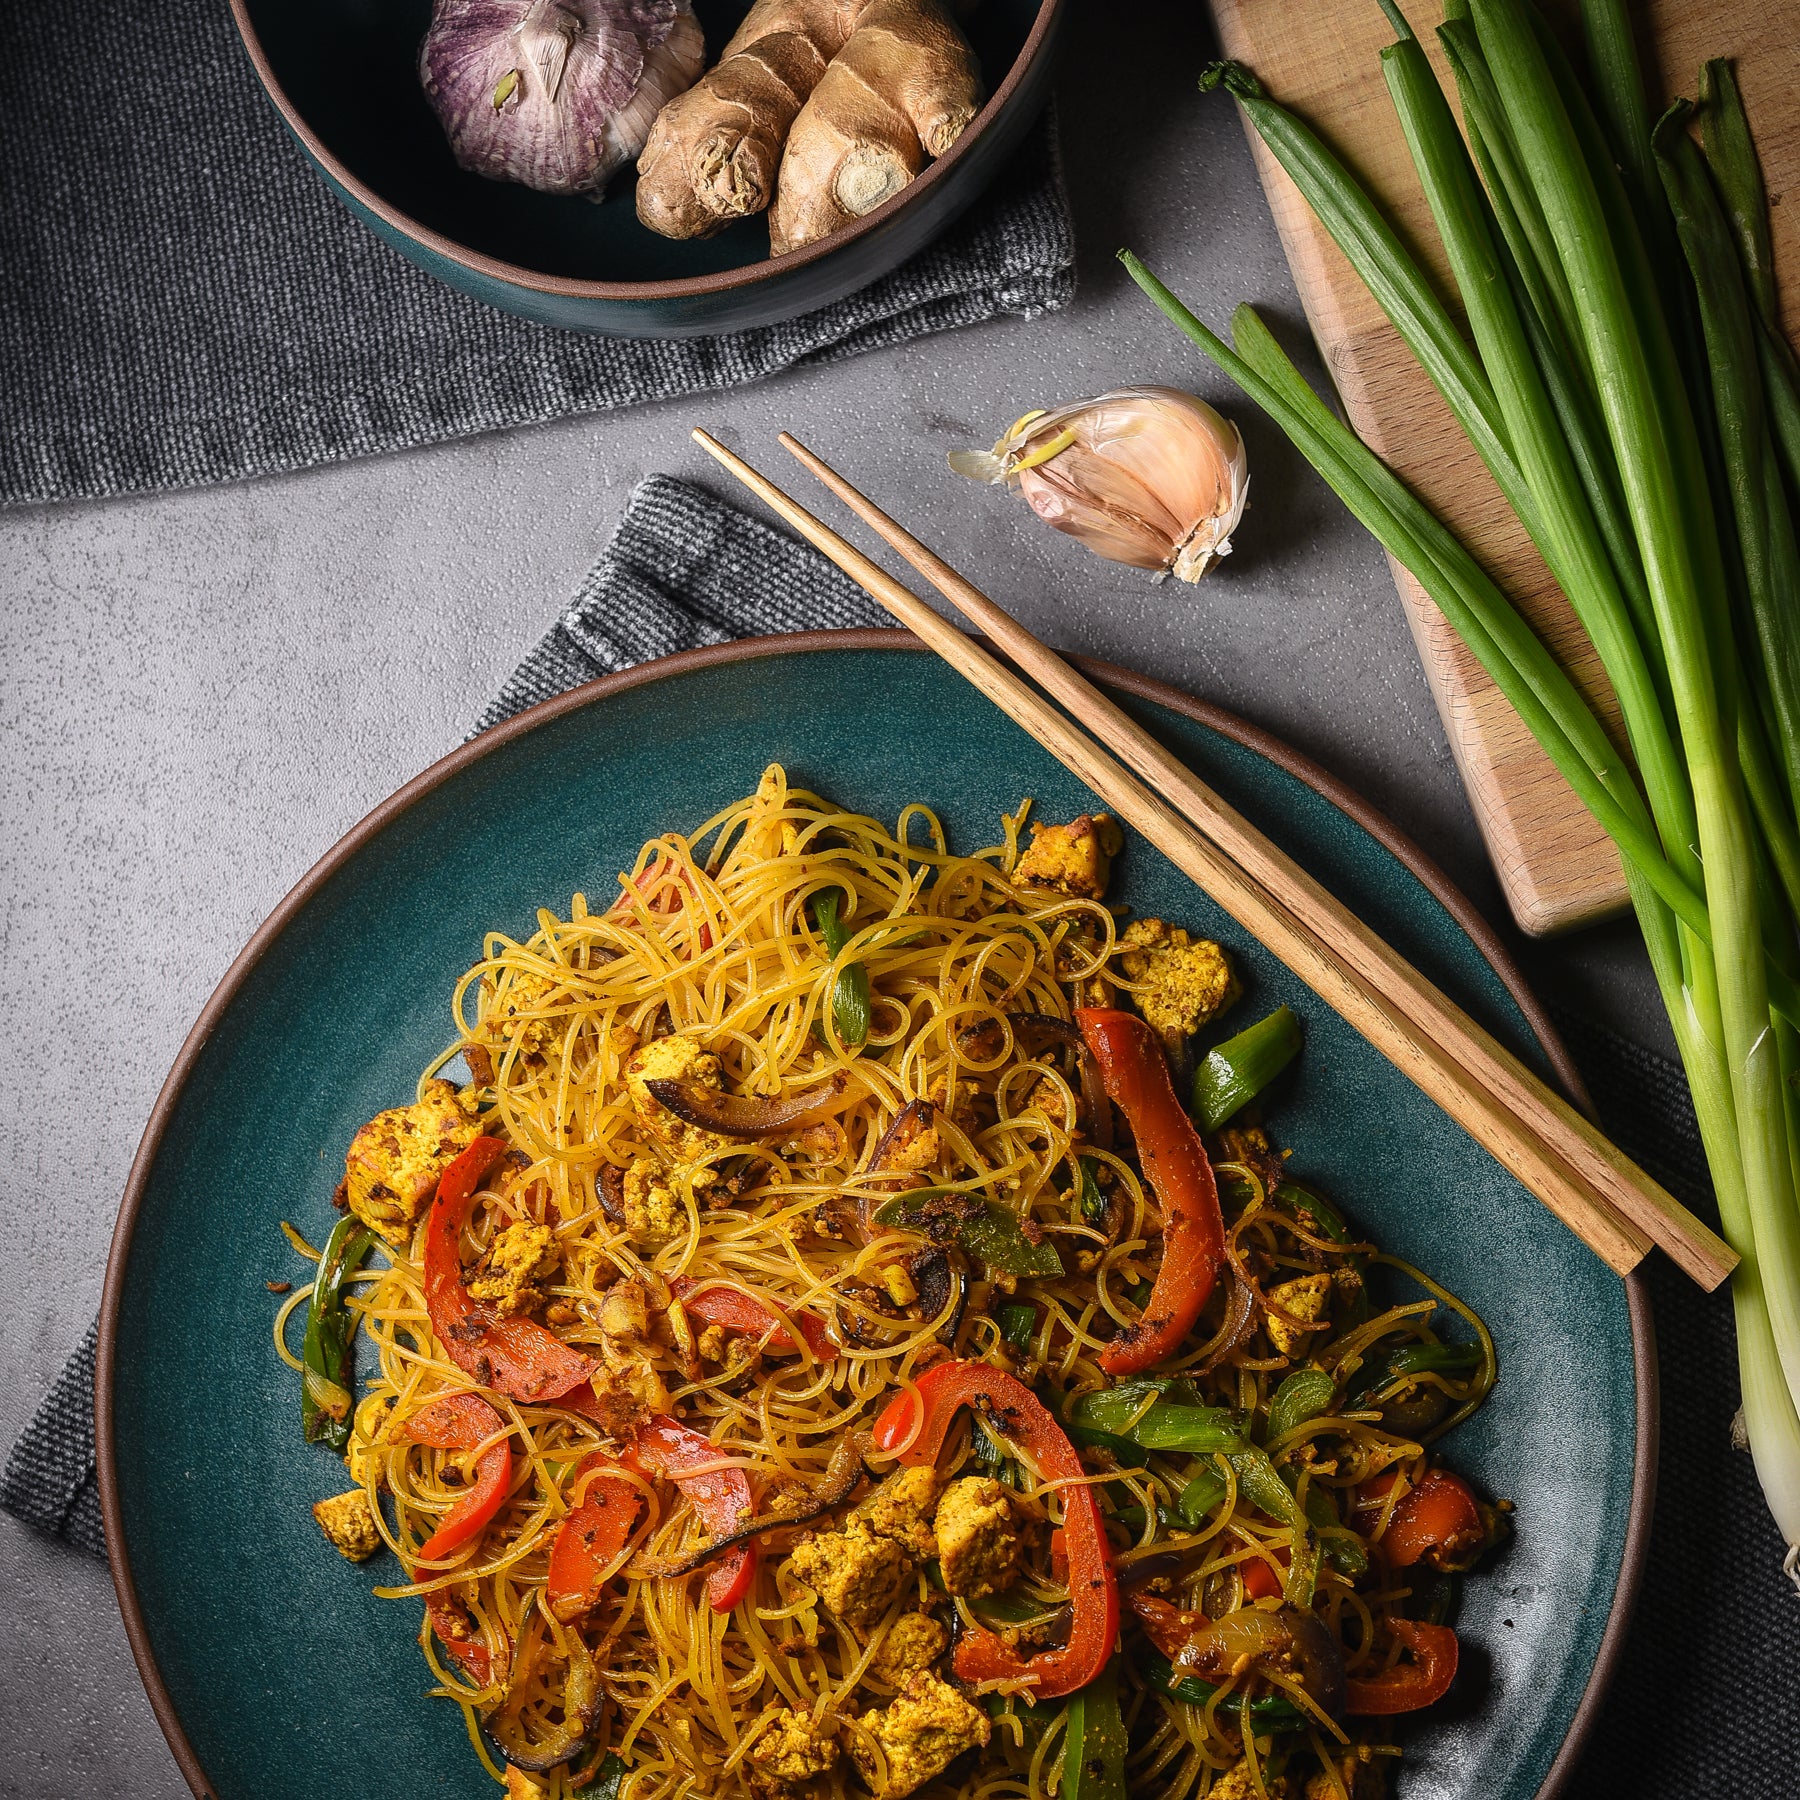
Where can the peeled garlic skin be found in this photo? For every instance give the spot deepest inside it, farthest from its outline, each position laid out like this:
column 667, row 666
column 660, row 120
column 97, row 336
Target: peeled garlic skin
column 1150, row 477
column 588, row 78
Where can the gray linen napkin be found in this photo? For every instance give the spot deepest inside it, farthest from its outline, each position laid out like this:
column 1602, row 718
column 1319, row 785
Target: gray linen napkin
column 182, row 301
column 1709, row 1685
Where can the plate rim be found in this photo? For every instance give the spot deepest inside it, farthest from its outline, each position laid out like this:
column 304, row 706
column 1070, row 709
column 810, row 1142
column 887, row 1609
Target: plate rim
column 746, row 650
column 721, row 281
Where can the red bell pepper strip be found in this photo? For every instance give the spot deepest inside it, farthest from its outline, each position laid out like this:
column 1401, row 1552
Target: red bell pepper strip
column 1260, row 1581
column 1438, row 1521
column 1408, row 1686
column 589, row 1538
column 1021, row 1417
column 460, row 1422
column 469, row 1652
column 1136, row 1076
column 517, row 1356
column 720, row 1496
column 737, row 1312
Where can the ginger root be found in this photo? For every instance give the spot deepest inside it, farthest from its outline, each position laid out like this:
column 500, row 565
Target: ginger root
column 902, row 88
column 712, row 155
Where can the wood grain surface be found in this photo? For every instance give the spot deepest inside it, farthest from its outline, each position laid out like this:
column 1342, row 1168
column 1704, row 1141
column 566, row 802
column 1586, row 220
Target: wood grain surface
column 1322, row 57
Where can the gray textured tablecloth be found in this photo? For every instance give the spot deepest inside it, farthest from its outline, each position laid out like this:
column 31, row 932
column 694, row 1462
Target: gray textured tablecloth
column 1707, row 1696
column 182, row 300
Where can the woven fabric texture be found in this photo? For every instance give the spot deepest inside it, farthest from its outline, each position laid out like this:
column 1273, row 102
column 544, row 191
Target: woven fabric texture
column 182, row 301
column 682, row 570
column 1709, row 1682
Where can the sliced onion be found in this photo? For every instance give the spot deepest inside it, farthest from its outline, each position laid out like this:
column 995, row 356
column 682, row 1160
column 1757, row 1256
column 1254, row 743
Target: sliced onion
column 913, row 1120
column 581, row 1702
column 326, row 1395
column 746, row 1116
column 611, row 1186
column 1197, row 1645
column 1094, row 1102
column 1321, row 1661
column 1240, row 1321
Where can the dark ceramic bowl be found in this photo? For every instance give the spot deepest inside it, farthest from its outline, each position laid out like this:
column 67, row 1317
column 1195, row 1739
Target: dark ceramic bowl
column 344, row 75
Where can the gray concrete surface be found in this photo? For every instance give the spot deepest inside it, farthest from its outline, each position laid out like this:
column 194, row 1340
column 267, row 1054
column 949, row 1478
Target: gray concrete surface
column 202, row 691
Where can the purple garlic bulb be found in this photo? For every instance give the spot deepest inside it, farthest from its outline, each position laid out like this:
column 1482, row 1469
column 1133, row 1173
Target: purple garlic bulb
column 556, row 94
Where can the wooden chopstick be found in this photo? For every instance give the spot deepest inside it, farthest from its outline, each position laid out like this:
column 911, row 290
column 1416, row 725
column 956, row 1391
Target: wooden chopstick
column 1376, row 965
column 1593, row 1217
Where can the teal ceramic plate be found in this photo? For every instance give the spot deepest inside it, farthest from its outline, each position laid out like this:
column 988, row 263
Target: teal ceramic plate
column 275, row 1672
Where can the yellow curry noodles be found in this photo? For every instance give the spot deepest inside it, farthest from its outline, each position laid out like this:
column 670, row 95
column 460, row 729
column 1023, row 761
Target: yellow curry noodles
column 775, row 1374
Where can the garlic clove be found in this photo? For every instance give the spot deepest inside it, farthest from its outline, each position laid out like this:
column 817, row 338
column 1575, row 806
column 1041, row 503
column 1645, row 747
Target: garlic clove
column 1151, row 477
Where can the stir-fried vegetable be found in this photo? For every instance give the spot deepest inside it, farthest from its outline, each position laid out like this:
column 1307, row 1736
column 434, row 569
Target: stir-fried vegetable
column 850, row 998
column 517, row 1356
column 943, row 1391
column 985, row 1228
column 1231, row 1075
column 737, row 1312
column 327, row 1351
column 460, row 1422
column 590, row 1537
column 1159, row 1413
column 720, row 1496
column 1272, row 1712
column 1302, row 1395
column 1094, row 1757
column 1018, row 1323
column 1136, row 1074
column 1409, row 1685
column 1566, row 220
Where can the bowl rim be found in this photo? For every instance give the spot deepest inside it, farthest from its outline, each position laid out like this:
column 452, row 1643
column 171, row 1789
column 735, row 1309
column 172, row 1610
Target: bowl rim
column 747, row 650
column 721, row 281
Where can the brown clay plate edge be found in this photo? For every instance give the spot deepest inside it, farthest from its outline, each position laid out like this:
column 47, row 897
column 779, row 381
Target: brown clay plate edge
column 720, row 281
column 1141, row 687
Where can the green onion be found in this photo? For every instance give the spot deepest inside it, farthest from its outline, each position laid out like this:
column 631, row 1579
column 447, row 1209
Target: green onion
column 1093, row 1202
column 1018, row 1323
column 1261, row 1484
column 1765, row 531
column 1201, row 1497
column 1340, row 1547
column 1095, row 1745
column 327, row 1351
column 1270, row 1713
column 1121, row 1449
column 850, row 1001
column 1647, row 434
column 1234, row 1073
column 608, row 1782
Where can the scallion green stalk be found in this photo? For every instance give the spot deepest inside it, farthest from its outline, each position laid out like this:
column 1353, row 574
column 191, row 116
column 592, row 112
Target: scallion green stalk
column 1643, row 455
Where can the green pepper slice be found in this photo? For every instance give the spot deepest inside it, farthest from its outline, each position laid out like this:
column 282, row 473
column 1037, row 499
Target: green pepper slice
column 983, row 1227
column 1303, row 1395
column 1174, row 1421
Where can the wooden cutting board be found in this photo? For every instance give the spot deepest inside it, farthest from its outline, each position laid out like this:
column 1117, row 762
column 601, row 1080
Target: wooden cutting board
column 1322, row 58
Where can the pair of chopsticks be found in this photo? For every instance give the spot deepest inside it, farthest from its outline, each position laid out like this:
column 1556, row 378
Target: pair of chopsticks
column 1598, row 1192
